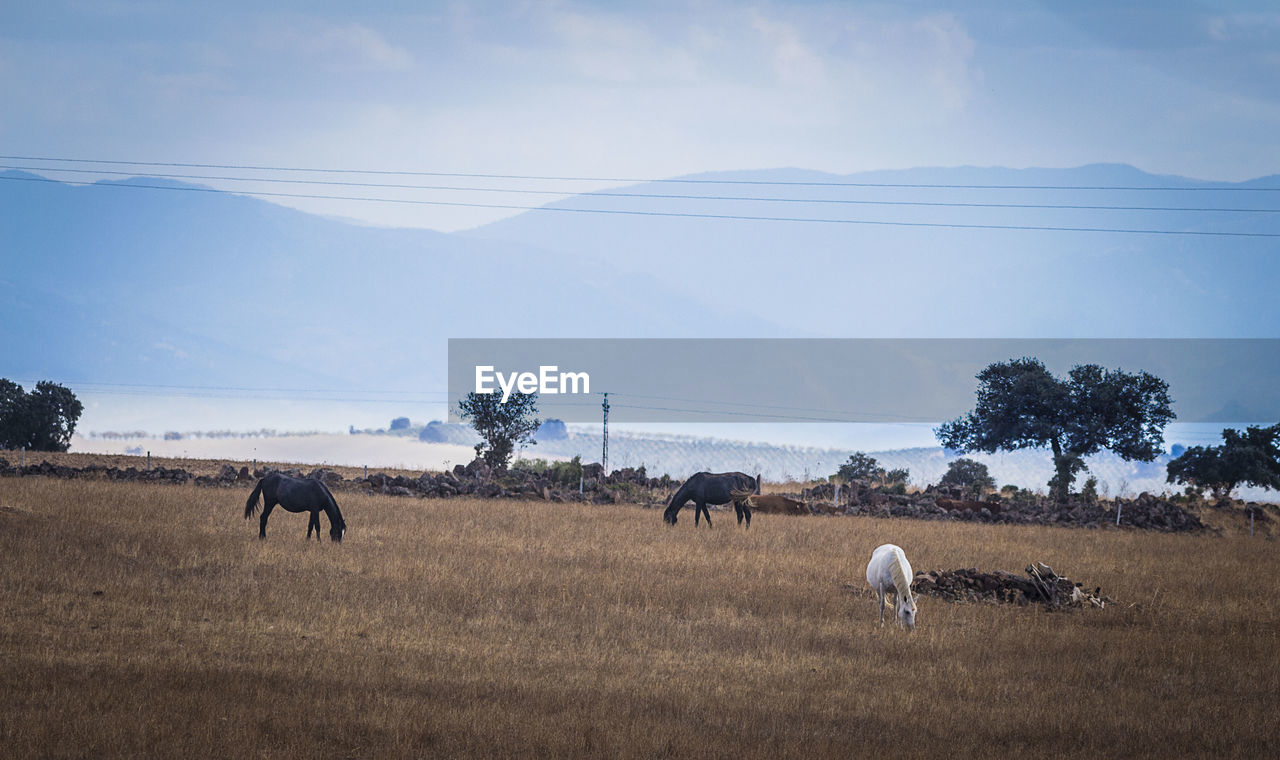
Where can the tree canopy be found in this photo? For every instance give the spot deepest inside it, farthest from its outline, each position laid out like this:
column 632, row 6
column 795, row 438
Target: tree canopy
column 863, row 467
column 860, row 467
column 1021, row 405
column 1248, row 458
column 503, row 426
column 42, row 420
column 969, row 474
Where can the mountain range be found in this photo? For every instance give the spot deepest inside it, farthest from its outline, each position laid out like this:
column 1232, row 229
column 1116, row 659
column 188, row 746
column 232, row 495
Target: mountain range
column 123, row 283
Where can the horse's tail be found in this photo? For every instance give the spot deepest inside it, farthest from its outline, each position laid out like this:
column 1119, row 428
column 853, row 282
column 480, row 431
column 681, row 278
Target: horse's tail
column 251, row 505
column 741, row 494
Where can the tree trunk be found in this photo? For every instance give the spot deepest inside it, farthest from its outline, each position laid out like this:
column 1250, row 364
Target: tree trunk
column 1065, row 465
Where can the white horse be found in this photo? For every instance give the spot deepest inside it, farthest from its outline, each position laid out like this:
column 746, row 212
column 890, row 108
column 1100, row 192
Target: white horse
column 888, row 572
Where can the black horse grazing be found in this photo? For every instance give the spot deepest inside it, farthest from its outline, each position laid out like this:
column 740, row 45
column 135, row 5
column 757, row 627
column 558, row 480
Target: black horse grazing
column 714, row 488
column 296, row 495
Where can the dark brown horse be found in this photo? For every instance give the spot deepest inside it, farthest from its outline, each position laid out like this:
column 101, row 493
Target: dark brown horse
column 714, row 488
column 296, row 495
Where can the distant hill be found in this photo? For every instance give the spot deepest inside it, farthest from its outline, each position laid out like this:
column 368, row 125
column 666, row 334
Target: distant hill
column 185, row 287
column 879, row 280
column 134, row 285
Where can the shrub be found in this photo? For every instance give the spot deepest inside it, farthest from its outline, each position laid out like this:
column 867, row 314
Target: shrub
column 1090, row 490
column 970, row 475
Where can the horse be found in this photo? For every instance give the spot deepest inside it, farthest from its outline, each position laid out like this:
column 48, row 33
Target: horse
column 776, row 503
column 888, row 572
column 714, row 488
column 296, row 495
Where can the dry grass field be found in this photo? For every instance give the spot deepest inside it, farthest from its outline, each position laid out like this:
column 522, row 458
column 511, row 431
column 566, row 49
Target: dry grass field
column 149, row 621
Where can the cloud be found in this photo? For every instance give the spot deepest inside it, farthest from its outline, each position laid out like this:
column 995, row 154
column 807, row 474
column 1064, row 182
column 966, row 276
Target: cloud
column 171, row 349
column 351, row 46
column 950, row 50
column 1238, row 27
column 794, row 63
column 614, row 49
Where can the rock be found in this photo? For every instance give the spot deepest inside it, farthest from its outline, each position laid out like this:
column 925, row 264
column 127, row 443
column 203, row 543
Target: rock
column 1041, row 586
column 326, row 476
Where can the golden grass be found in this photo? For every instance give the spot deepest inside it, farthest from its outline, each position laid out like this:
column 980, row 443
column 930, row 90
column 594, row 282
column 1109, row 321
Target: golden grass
column 478, row 628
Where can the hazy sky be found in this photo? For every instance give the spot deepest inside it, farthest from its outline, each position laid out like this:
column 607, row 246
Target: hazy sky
column 642, row 90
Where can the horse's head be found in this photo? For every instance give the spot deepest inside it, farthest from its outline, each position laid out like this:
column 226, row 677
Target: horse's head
column 907, row 611
column 669, row 517
column 337, row 531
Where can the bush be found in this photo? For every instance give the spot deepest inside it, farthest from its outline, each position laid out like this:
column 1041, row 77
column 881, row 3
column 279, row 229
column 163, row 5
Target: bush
column 1090, row 491
column 970, row 475
column 860, row 467
column 898, row 477
column 565, row 474
column 534, row 466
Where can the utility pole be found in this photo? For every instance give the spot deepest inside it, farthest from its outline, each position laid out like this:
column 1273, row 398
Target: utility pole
column 604, row 455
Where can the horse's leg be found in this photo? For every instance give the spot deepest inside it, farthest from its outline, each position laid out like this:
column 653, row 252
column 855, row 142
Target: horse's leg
column 705, row 512
column 267, row 506
column 746, row 511
column 313, row 522
column 737, row 510
column 881, row 607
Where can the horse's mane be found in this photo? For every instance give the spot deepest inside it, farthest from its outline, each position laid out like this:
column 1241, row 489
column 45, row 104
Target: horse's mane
column 898, row 571
column 680, row 496
column 332, row 503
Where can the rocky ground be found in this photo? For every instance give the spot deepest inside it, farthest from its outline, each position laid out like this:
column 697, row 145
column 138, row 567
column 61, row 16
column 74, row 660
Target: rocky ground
column 633, row 486
column 934, row 503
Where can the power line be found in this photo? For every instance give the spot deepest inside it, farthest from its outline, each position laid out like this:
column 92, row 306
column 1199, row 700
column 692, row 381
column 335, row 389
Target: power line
column 231, row 392
column 654, row 196
column 263, row 394
column 248, row 388
column 407, row 173
column 760, row 406
column 755, row 415
column 673, row 214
